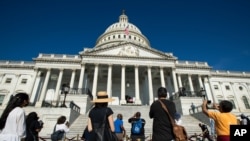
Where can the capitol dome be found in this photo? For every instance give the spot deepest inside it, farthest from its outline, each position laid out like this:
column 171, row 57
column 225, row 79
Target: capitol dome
column 122, row 32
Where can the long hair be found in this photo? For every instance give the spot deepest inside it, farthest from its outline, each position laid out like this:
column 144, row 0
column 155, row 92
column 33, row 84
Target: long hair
column 61, row 120
column 15, row 101
column 31, row 118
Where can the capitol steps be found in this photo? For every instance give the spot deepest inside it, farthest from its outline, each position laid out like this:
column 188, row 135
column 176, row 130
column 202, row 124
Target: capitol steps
column 189, row 122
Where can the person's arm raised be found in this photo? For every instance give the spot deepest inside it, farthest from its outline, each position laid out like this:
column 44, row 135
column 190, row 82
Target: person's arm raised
column 204, row 107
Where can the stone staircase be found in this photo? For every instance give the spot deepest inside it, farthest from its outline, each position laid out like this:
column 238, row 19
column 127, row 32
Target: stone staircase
column 189, row 122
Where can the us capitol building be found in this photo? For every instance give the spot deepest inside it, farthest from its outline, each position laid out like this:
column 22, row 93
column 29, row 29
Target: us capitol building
column 123, row 63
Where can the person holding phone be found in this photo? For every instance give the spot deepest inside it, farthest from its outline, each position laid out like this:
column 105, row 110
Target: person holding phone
column 223, row 119
column 62, row 124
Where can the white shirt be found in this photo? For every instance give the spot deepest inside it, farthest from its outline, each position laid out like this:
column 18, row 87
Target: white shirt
column 15, row 126
column 62, row 127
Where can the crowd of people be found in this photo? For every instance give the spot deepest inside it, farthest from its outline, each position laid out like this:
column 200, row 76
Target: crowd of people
column 16, row 126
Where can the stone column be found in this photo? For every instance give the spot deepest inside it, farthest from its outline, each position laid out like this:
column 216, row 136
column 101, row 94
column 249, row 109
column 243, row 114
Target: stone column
column 33, row 82
column 123, row 101
column 150, row 86
column 109, row 84
column 44, row 89
column 81, row 79
column 162, row 78
column 137, row 88
column 179, row 80
column 58, row 86
column 174, row 80
column 200, row 82
column 95, row 81
column 72, row 79
column 34, row 85
column 190, row 83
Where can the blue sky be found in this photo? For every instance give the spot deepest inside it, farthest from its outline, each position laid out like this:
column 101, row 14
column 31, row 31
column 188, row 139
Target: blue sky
column 212, row 31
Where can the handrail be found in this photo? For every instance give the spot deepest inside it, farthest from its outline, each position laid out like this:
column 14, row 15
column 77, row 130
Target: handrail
column 73, row 106
column 177, row 95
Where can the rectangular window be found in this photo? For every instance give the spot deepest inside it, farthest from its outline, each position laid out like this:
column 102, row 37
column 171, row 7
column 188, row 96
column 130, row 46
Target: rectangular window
column 24, row 81
column 216, row 87
column 8, row 80
column 227, row 87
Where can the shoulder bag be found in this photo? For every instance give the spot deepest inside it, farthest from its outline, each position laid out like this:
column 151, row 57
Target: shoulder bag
column 102, row 130
column 57, row 135
column 179, row 131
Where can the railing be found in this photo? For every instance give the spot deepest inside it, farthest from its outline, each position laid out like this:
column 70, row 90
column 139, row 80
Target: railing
column 77, row 91
column 75, row 107
column 50, row 104
column 177, row 95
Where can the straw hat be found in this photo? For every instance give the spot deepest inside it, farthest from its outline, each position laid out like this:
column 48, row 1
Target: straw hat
column 102, row 97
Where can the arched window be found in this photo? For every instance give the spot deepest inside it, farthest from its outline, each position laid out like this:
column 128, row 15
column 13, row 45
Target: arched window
column 245, row 101
column 231, row 100
column 240, row 88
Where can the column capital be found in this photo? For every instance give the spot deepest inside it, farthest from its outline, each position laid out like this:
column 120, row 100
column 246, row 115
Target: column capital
column 149, row 66
column 161, row 67
column 83, row 64
column 173, row 69
column 35, row 68
column 136, row 66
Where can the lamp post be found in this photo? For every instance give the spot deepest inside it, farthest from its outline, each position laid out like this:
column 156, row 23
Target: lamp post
column 203, row 93
column 65, row 91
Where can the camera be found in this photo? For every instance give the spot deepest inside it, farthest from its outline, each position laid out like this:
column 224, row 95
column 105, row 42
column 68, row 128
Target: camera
column 209, row 104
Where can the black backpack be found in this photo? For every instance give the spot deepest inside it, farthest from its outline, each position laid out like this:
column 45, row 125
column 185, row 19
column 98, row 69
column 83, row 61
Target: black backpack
column 57, row 135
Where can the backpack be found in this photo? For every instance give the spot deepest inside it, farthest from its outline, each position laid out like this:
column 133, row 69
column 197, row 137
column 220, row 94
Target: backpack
column 136, row 126
column 57, row 135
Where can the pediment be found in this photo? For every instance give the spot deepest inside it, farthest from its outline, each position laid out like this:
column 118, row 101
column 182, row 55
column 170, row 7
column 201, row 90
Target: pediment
column 128, row 50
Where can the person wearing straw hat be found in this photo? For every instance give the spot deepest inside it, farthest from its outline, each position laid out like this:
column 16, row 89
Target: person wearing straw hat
column 100, row 116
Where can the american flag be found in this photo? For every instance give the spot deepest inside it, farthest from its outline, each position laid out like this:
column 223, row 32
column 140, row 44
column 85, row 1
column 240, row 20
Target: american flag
column 126, row 30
